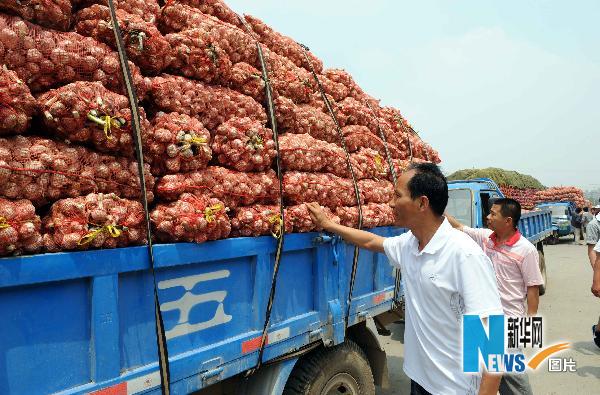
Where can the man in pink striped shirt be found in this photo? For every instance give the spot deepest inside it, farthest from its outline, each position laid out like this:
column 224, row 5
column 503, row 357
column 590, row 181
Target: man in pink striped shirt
column 516, row 263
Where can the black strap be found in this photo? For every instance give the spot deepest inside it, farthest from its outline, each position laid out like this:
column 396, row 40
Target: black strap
column 161, row 340
column 354, row 181
column 396, row 302
column 279, row 251
column 385, row 144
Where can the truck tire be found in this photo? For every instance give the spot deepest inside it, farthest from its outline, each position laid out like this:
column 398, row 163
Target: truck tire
column 343, row 369
column 543, row 271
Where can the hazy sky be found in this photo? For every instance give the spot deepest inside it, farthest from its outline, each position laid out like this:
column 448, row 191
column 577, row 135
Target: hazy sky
column 509, row 83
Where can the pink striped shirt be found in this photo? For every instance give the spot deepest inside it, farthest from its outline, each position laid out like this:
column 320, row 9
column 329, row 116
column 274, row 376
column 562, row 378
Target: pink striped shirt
column 516, row 263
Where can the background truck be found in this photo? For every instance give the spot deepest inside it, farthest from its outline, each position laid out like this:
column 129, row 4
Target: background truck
column 83, row 322
column 469, row 203
column 562, row 213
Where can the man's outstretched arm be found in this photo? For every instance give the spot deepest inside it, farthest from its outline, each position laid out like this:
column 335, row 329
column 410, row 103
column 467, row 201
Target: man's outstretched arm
column 366, row 240
column 454, row 222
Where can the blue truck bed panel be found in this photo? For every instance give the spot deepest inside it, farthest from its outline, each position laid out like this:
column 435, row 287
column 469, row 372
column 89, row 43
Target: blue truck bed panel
column 82, row 321
column 536, row 225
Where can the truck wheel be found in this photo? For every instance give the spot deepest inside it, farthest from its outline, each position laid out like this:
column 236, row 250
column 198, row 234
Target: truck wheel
column 343, row 369
column 544, row 275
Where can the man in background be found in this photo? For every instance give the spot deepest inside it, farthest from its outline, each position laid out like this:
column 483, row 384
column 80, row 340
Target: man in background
column 592, row 238
column 576, row 223
column 516, row 263
column 586, row 218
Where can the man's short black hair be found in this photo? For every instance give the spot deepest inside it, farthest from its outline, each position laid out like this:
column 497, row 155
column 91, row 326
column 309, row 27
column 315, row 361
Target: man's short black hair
column 510, row 208
column 429, row 181
column 586, row 209
column 578, row 210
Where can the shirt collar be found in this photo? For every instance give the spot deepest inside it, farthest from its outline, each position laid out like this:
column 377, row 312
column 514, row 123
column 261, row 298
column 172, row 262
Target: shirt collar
column 436, row 242
column 510, row 242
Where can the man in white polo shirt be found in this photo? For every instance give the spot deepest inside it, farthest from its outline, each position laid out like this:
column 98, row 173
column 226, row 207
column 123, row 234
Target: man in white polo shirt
column 516, row 263
column 446, row 275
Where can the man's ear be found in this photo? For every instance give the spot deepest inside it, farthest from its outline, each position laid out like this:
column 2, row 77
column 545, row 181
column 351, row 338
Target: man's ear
column 423, row 203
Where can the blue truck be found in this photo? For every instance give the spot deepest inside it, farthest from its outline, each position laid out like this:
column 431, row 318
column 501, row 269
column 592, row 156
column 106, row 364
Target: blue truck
column 469, row 202
column 84, row 322
column 562, row 213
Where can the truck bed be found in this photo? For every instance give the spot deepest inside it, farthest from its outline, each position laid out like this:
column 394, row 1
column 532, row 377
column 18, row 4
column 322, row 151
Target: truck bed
column 536, row 225
column 80, row 322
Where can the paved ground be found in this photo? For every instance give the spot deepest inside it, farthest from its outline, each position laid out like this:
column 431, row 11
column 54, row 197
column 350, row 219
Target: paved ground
column 569, row 310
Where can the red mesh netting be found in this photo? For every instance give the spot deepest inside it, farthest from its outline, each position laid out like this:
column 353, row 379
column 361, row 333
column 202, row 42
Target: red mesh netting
column 373, row 215
column 44, row 58
column 258, row 220
column 43, row 171
column 216, row 45
column 287, row 79
column 196, row 56
column 216, row 8
column 19, row 228
column 400, row 166
column 177, row 143
column 352, row 112
column 357, row 136
column 248, row 80
column 302, row 152
column 368, row 163
column 54, row 14
column 87, row 112
column 17, row 105
column 244, row 144
column 334, row 90
column 562, row 194
column 301, row 221
column 282, row 45
column 145, row 45
column 212, row 105
column 232, row 187
column 94, row 221
column 324, row 188
column 376, row 191
column 148, row 10
column 354, row 90
column 191, row 218
column 261, row 220
column 304, row 118
column 237, row 43
column 525, row 196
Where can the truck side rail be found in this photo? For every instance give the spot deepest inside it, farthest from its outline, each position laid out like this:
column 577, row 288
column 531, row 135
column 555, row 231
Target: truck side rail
column 79, row 322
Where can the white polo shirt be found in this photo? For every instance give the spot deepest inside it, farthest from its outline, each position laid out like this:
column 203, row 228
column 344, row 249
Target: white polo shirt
column 450, row 277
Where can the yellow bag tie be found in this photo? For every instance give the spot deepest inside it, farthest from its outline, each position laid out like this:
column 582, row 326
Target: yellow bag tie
column 198, row 141
column 106, row 121
column 4, row 223
column 379, row 164
column 256, row 141
column 112, row 230
column 277, row 225
column 210, row 213
column 110, row 122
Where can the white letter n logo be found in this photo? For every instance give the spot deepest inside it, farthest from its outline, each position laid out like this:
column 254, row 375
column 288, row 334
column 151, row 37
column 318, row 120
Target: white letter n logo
column 189, row 300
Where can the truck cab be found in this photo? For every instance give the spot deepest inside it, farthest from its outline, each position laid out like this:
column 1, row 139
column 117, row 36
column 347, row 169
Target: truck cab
column 469, row 203
column 562, row 212
column 468, row 200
